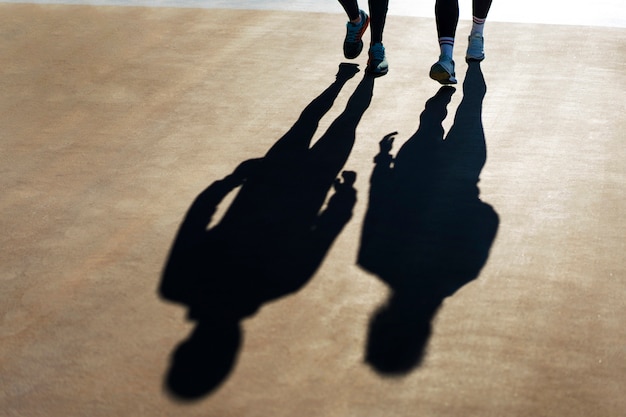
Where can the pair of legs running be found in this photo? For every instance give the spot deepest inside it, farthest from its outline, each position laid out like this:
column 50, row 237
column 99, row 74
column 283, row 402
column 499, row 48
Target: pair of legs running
column 447, row 18
column 355, row 28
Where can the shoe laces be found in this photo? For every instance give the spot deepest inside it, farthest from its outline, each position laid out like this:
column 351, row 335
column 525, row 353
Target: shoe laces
column 476, row 39
column 377, row 51
column 354, row 31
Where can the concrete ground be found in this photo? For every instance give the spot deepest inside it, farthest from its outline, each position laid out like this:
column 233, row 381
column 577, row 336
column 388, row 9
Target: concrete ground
column 123, row 131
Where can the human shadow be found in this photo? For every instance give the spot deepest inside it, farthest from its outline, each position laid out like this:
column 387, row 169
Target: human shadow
column 426, row 232
column 270, row 241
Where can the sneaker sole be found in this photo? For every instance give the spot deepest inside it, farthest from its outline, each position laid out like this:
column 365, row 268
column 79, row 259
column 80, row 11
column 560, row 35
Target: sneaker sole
column 474, row 58
column 439, row 74
column 373, row 73
column 355, row 55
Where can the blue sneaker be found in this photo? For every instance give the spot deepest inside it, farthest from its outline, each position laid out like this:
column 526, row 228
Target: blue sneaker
column 475, row 48
column 352, row 44
column 443, row 71
column 377, row 63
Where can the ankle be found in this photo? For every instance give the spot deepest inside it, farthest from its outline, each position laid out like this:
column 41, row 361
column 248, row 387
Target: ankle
column 356, row 21
column 446, row 46
column 478, row 25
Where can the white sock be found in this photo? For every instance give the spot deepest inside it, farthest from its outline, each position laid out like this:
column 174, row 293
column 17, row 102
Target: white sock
column 446, row 46
column 478, row 25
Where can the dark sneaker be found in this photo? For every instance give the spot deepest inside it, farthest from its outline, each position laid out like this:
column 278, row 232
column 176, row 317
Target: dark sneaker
column 377, row 63
column 353, row 45
column 443, row 71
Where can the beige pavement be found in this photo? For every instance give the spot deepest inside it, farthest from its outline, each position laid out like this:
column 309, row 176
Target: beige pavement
column 114, row 119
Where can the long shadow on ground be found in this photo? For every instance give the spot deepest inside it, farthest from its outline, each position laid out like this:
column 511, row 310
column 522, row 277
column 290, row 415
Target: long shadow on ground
column 269, row 243
column 426, row 232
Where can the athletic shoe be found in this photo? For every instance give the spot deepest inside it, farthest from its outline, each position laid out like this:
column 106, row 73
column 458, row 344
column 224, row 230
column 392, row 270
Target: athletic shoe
column 352, row 44
column 475, row 48
column 377, row 63
column 443, row 71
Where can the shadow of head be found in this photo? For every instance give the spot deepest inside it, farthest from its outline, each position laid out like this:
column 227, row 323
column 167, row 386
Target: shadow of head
column 201, row 363
column 398, row 335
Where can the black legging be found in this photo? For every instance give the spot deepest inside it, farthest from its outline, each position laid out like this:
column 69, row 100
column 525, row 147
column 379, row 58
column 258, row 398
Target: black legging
column 447, row 14
column 378, row 15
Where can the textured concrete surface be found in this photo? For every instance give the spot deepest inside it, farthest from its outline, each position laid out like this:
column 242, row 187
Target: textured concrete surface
column 114, row 120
